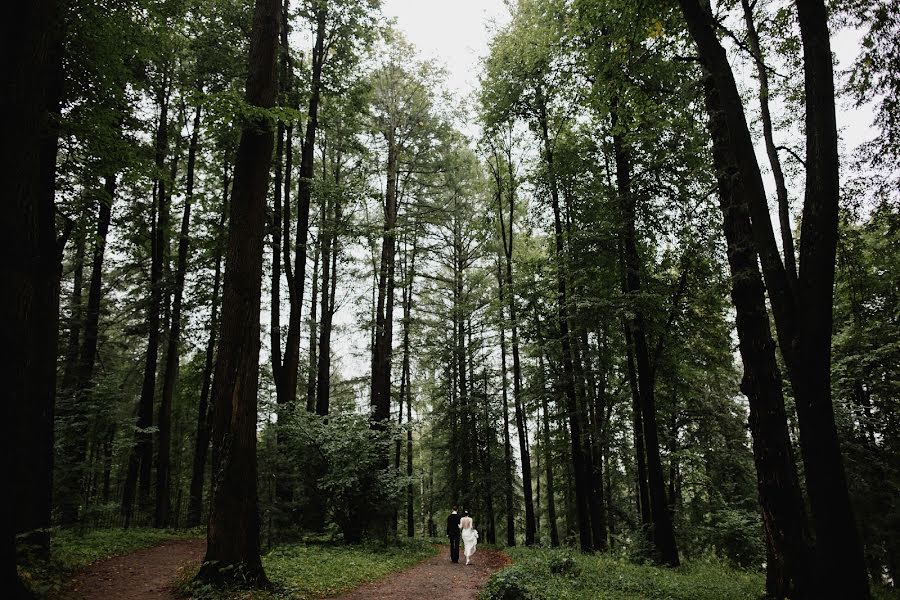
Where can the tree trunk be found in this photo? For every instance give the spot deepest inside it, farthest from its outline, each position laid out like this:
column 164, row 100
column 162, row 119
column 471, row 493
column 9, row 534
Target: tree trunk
column 663, row 533
column 507, row 448
column 329, row 288
column 162, row 516
column 297, row 275
column 31, row 270
column 141, row 459
column 803, row 318
column 790, row 549
column 548, row 458
column 579, row 461
column 232, row 551
column 204, row 416
column 643, row 495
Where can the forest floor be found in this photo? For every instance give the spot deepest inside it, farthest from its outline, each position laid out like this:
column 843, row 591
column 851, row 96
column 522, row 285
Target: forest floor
column 155, row 573
column 435, row 578
column 147, row 574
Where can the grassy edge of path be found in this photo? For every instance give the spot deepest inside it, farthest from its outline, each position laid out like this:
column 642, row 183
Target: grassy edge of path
column 72, row 550
column 305, row 571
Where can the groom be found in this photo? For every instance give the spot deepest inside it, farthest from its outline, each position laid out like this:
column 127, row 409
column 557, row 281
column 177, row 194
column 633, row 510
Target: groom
column 453, row 534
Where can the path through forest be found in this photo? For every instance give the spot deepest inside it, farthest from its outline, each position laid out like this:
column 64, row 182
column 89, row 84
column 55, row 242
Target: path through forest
column 436, row 578
column 149, row 574
column 146, row 574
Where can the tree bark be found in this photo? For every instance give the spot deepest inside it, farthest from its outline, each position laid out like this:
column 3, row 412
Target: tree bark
column 297, row 275
column 31, row 270
column 204, row 413
column 579, row 461
column 663, row 534
column 141, row 458
column 162, row 515
column 548, row 458
column 507, row 448
column 232, row 552
column 803, row 318
column 790, row 549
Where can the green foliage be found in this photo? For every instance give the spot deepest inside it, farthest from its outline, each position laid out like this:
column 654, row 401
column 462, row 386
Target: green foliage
column 540, row 574
column 316, row 570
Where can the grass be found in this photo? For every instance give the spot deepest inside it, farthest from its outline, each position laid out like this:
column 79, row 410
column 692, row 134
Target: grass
column 71, row 551
column 315, row 570
column 540, row 573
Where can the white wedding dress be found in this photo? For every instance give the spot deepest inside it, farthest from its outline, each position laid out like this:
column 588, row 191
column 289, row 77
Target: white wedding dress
column 469, row 537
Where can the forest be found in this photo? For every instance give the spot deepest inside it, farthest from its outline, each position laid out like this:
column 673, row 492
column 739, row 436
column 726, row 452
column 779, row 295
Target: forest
column 272, row 284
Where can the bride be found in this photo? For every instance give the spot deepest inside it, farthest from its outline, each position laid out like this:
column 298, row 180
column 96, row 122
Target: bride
column 469, row 536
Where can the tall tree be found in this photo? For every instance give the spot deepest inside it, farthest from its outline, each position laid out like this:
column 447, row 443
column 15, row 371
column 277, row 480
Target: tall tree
column 803, row 313
column 232, row 552
column 29, row 313
column 170, row 374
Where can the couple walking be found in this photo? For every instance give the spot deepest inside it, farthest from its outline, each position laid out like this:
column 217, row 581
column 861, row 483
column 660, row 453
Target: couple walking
column 461, row 527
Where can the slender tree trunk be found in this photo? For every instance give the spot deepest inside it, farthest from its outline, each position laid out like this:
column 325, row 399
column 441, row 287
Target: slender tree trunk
column 789, row 570
column 162, row 517
column 232, row 551
column 548, row 458
column 507, row 448
column 76, row 316
column 579, row 461
column 72, row 478
column 663, row 533
column 141, row 459
column 839, row 551
column 784, row 217
column 313, row 324
column 297, row 277
column 329, row 288
column 204, row 416
column 31, row 271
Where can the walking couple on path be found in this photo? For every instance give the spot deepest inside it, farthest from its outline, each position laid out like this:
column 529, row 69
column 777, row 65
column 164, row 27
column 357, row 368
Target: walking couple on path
column 461, row 527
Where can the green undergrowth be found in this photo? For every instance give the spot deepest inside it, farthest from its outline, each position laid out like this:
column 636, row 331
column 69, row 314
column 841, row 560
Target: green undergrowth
column 72, row 550
column 542, row 574
column 313, row 570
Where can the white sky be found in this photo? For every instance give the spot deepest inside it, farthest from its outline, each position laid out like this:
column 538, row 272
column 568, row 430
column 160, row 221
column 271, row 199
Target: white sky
column 455, row 32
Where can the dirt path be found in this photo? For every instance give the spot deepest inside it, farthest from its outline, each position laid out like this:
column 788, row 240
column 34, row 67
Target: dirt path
column 145, row 574
column 435, row 579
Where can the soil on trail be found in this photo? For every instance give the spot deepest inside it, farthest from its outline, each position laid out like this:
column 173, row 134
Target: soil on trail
column 436, row 579
column 146, row 574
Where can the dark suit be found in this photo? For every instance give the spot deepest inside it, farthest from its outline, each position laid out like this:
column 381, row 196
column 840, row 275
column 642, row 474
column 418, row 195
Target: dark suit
column 453, row 534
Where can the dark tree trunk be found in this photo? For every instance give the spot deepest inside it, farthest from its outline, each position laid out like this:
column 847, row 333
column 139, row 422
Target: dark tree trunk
column 507, row 231
column 162, row 516
column 329, row 288
column 548, row 458
column 790, row 550
column 643, row 495
column 31, row 270
column 141, row 458
column 296, row 276
column 784, row 218
column 839, row 553
column 313, row 324
column 803, row 318
column 663, row 533
column 232, row 551
column 204, row 413
column 71, row 479
column 579, row 460
column 76, row 316
column 507, row 448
